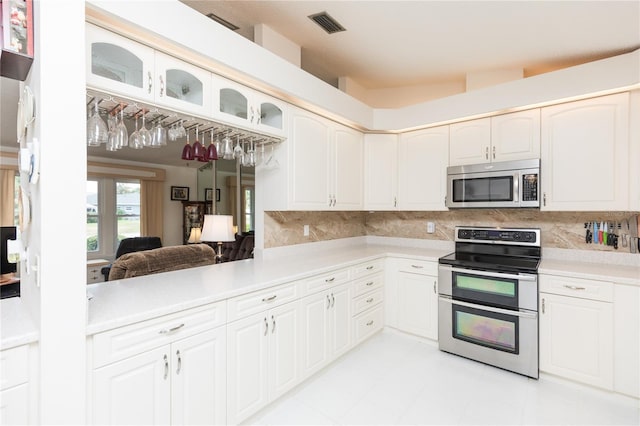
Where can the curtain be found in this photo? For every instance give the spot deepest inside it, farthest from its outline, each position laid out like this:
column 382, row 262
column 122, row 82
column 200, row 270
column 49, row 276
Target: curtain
column 7, row 191
column 151, row 208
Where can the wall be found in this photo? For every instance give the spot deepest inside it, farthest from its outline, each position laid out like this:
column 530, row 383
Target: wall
column 559, row 229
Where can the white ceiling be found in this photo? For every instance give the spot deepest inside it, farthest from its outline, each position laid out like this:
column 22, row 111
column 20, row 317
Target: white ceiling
column 400, row 43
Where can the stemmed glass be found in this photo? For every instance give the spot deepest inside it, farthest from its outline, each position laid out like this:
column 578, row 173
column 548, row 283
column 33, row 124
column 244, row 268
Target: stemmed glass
column 158, row 135
column 187, row 152
column 112, row 142
column 212, row 151
column 197, row 146
column 134, row 138
column 145, row 135
column 228, row 149
column 122, row 135
column 238, row 152
column 97, row 131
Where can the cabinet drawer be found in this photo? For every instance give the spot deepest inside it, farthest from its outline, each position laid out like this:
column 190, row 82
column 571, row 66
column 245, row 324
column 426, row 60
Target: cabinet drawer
column 423, row 267
column 368, row 268
column 366, row 284
column 324, row 281
column 14, row 366
column 367, row 323
column 366, row 301
column 258, row 301
column 577, row 287
column 123, row 342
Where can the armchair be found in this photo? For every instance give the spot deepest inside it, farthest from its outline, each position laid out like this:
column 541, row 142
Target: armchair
column 130, row 245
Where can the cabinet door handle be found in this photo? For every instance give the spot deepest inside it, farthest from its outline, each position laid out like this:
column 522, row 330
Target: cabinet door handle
column 333, row 300
column 273, row 323
column 369, row 284
column 252, row 113
column 486, row 153
column 171, row 330
column 328, row 302
column 330, row 280
column 266, row 326
column 369, row 300
column 434, row 288
column 179, row 362
column 417, row 266
column 150, row 84
column 370, row 267
column 543, row 305
column 544, row 199
column 161, row 86
column 270, row 299
column 395, row 201
column 494, row 152
column 370, row 323
column 166, row 367
column 574, row 287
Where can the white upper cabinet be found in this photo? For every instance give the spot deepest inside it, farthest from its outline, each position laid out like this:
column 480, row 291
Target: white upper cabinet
column 326, row 164
column 515, row 136
column 347, row 170
column 380, row 172
column 585, row 155
column 182, row 86
column 244, row 107
column 119, row 65
column 506, row 137
column 422, row 169
column 469, row 142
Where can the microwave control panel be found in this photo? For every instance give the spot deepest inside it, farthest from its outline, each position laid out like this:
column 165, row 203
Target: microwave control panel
column 530, row 187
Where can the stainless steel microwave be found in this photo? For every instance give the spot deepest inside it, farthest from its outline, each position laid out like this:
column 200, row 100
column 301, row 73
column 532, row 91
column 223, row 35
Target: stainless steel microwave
column 502, row 184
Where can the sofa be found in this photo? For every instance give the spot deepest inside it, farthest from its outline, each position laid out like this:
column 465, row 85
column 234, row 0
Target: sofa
column 241, row 248
column 130, row 245
column 162, row 259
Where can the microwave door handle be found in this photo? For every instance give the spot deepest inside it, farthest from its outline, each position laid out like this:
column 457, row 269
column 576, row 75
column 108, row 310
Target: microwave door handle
column 516, row 188
column 521, row 277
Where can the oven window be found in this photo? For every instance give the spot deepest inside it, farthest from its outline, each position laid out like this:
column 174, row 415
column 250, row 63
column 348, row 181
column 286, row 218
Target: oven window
column 501, row 292
column 498, row 188
column 490, row 329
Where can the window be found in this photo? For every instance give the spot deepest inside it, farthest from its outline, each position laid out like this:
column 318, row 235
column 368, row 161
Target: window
column 113, row 213
column 249, row 207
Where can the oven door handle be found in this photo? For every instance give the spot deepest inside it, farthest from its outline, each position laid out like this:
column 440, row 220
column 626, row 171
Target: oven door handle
column 520, row 277
column 522, row 314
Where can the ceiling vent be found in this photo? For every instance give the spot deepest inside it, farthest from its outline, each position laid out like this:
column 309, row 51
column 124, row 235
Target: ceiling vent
column 324, row 20
column 223, row 22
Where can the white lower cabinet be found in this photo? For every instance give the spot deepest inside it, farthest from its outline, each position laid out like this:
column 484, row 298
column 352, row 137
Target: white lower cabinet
column 17, row 405
column 412, row 296
column 576, row 330
column 326, row 328
column 626, row 340
column 180, row 383
column 262, row 359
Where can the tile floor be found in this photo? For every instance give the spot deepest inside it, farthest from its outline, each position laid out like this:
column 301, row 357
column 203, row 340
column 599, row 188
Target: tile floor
column 396, row 379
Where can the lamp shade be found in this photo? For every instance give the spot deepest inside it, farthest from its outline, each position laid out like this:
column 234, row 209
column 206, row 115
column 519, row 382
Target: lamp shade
column 217, row 228
column 194, row 237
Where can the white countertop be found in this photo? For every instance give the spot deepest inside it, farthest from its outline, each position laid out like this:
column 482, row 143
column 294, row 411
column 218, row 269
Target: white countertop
column 17, row 327
column 121, row 302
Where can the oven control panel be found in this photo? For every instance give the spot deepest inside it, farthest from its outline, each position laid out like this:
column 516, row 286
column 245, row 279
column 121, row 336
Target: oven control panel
column 499, row 235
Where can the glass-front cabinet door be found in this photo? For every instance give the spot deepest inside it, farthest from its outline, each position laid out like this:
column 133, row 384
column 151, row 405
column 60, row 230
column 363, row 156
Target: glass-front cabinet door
column 119, row 65
column 182, row 86
column 270, row 115
column 231, row 102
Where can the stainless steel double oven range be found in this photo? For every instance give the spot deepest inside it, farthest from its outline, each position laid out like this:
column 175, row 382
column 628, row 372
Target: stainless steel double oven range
column 488, row 298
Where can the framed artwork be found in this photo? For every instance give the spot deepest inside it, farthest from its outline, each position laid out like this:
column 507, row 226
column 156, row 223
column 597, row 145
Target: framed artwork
column 208, row 194
column 180, row 193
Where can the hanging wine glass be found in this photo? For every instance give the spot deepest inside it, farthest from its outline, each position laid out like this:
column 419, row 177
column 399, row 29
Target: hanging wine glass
column 97, row 130
column 197, row 146
column 145, row 135
column 122, row 135
column 251, row 153
column 228, row 149
column 212, row 151
column 134, row 138
column 237, row 150
column 187, row 151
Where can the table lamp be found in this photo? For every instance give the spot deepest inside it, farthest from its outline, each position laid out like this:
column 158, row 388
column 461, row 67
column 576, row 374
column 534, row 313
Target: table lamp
column 217, row 229
column 194, row 237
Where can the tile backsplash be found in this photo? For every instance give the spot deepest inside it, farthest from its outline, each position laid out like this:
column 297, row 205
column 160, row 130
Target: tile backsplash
column 559, row 229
